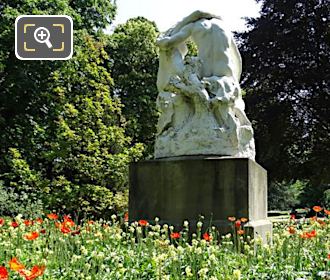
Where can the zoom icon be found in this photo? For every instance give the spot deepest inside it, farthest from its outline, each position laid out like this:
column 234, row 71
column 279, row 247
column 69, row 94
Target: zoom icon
column 40, row 37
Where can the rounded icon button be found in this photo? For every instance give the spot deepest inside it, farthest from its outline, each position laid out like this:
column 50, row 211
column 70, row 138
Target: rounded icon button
column 41, row 35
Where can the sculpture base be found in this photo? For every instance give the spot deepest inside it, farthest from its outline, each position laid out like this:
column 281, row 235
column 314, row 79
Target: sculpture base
column 183, row 188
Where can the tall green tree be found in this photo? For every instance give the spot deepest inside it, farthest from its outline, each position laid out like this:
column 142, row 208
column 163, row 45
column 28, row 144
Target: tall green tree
column 286, row 56
column 63, row 138
column 133, row 50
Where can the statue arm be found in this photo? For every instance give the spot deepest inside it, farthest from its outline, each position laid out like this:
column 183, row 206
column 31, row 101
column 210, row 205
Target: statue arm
column 177, row 38
column 195, row 16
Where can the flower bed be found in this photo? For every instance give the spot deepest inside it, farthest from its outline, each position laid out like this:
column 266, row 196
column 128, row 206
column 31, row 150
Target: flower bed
column 54, row 247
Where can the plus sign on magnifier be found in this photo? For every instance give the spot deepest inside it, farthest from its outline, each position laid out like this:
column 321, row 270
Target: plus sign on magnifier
column 41, row 35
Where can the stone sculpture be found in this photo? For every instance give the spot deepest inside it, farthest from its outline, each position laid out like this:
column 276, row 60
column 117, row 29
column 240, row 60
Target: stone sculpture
column 200, row 101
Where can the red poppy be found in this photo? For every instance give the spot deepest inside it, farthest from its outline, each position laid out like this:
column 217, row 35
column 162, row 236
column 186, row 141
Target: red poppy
column 238, row 224
column 240, row 232
column 28, row 223
column 207, row 237
column 292, row 216
column 65, row 230
column 126, row 217
column 143, row 223
column 15, row 265
column 317, row 208
column 52, row 216
column 327, row 212
column 35, row 272
column 2, row 222
column 43, row 231
column 14, row 224
column 175, row 235
column 231, row 219
column 3, row 273
column 244, row 220
column 31, row 236
column 291, row 230
column 39, row 221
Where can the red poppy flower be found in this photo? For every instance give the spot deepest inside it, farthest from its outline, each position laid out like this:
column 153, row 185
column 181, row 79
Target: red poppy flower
column 143, row 223
column 28, row 223
column 308, row 235
column 175, row 235
column 14, row 224
column 31, row 236
column 35, row 272
column 65, row 230
column 52, row 216
column 3, row 273
column 291, row 230
column 292, row 216
column 126, row 217
column 39, row 221
column 15, row 265
column 238, row 224
column 244, row 220
column 231, row 219
column 2, row 222
column 207, row 237
column 327, row 212
column 317, row 208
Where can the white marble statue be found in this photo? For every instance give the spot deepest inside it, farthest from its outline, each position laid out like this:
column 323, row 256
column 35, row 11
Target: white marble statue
column 200, row 102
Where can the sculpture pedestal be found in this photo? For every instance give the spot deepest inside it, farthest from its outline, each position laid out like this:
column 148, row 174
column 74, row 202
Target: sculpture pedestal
column 183, row 188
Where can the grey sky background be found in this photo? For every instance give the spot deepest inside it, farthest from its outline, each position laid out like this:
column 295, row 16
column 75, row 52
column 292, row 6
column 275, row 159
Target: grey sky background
column 167, row 12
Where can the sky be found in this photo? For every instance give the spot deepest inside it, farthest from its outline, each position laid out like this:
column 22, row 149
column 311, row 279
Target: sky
column 167, row 12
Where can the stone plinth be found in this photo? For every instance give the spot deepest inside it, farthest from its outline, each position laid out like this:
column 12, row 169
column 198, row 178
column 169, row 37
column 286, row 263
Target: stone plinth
column 178, row 189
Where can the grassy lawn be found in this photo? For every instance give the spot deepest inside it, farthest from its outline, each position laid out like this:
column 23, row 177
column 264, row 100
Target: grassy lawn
column 53, row 247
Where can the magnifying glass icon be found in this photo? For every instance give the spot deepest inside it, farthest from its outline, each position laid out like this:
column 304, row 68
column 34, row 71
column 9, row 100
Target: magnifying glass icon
column 41, row 35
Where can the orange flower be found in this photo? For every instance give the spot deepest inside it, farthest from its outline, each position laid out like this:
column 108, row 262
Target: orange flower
column 207, row 237
column 35, row 272
column 321, row 222
column 65, row 230
column 39, row 221
column 52, row 216
column 3, row 273
column 143, row 223
column 126, row 217
column 231, row 219
column 68, row 222
column 308, row 235
column 238, row 224
column 2, row 222
column 175, row 235
column 244, row 220
column 28, row 223
column 291, row 230
column 240, row 232
column 317, row 208
column 327, row 212
column 15, row 265
column 57, row 224
column 90, row 222
column 14, row 224
column 31, row 236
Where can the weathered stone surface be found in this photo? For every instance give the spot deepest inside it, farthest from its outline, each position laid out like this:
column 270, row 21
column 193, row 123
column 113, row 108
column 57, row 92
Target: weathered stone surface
column 178, row 189
column 200, row 100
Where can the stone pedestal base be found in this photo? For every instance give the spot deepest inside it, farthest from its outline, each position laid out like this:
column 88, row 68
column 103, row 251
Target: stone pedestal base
column 183, row 188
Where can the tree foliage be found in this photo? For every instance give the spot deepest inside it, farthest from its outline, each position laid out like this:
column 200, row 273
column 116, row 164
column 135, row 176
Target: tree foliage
column 286, row 56
column 63, row 134
column 132, row 48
